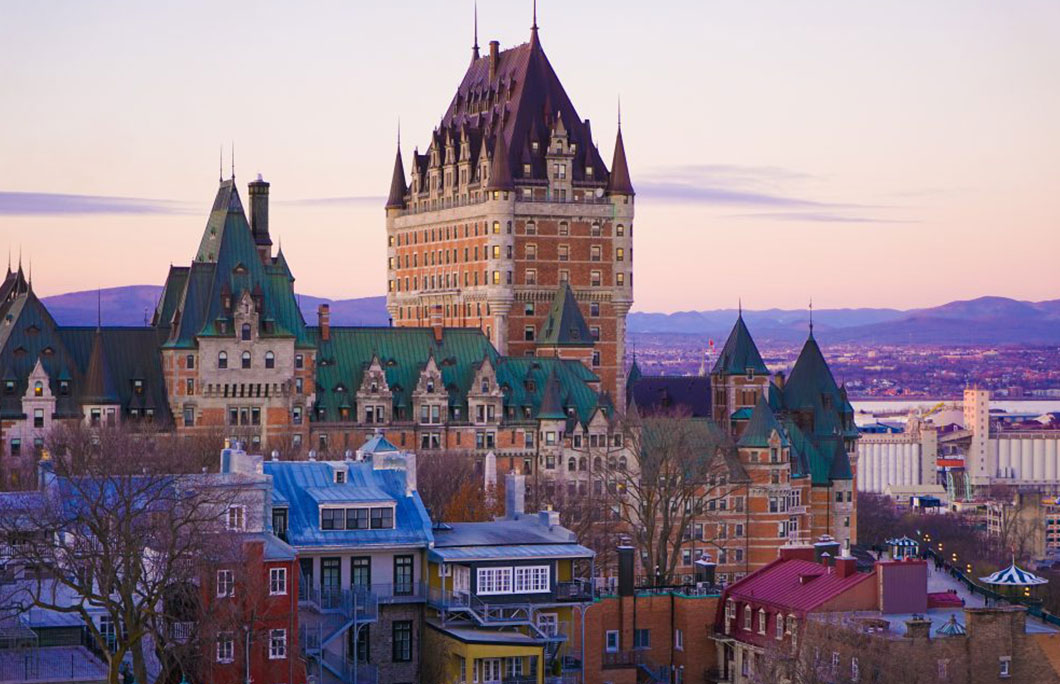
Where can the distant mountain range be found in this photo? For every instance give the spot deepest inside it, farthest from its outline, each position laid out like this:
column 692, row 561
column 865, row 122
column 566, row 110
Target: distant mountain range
column 982, row 321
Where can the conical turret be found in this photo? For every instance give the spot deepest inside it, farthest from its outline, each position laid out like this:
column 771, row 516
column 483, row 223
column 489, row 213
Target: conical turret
column 398, row 189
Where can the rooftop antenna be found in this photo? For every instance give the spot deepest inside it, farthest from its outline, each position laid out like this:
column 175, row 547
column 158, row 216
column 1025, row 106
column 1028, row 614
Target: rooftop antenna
column 811, row 316
column 99, row 308
column 220, row 163
column 233, row 160
column 620, row 111
column 533, row 29
column 474, row 48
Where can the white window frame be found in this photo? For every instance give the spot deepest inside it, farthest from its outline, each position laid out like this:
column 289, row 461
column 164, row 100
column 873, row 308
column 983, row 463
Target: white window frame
column 226, row 648
column 277, row 581
column 530, row 579
column 679, row 640
column 226, row 584
column 493, row 581
column 239, row 523
column 277, row 644
column 611, row 641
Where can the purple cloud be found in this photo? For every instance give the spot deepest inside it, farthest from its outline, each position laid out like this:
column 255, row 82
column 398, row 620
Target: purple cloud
column 58, row 204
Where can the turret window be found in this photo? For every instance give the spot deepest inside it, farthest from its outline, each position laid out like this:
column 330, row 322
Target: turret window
column 222, row 360
column 245, row 332
column 38, row 389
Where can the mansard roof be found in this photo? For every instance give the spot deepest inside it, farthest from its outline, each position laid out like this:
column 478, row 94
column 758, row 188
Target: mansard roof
column 661, row 393
column 740, row 353
column 761, row 426
column 565, row 326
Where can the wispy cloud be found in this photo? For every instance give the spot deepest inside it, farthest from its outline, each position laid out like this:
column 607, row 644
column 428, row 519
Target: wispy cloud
column 57, row 204
column 335, row 201
column 818, row 217
column 733, row 185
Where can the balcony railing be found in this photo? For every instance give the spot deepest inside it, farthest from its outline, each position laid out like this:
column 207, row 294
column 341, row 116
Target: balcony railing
column 358, row 602
column 576, row 590
column 181, row 632
column 412, row 592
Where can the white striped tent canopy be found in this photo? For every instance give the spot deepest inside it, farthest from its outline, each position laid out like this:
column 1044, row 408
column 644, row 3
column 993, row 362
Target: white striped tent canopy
column 902, row 541
column 1013, row 577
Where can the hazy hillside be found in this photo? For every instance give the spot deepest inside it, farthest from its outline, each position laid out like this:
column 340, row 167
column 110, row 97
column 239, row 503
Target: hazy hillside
column 986, row 320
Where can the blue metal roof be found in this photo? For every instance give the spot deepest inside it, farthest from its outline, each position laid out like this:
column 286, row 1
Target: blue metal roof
column 457, row 554
column 303, row 484
column 343, row 493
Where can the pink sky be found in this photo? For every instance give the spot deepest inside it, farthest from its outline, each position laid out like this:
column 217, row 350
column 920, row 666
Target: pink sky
column 886, row 154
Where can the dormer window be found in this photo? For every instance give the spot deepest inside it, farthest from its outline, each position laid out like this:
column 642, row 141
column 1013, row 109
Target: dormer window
column 485, row 386
column 750, row 373
column 340, row 476
column 374, row 387
column 64, row 387
column 430, row 385
column 526, row 170
column 245, row 332
column 38, row 389
column 9, row 386
column 534, row 146
column 138, row 386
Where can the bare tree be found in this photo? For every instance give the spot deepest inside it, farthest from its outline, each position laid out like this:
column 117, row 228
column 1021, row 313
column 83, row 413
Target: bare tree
column 453, row 489
column 677, row 466
column 114, row 529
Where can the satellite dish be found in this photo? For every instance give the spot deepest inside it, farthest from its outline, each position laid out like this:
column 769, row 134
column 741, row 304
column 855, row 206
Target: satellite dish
column 599, row 193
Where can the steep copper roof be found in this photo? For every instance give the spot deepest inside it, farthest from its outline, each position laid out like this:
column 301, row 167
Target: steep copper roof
column 619, row 183
column 396, row 199
column 520, row 99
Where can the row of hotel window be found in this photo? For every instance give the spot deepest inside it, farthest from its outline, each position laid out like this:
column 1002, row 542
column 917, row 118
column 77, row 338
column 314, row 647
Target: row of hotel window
column 453, row 232
column 532, row 579
column 222, row 357
column 452, row 280
column 436, row 257
column 528, row 310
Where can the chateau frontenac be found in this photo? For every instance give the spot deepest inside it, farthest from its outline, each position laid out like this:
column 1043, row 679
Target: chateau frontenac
column 509, row 251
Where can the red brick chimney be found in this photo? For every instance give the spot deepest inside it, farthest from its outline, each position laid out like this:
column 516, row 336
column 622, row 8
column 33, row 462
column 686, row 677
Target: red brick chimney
column 495, row 48
column 796, row 552
column 845, row 566
column 436, row 322
column 324, row 321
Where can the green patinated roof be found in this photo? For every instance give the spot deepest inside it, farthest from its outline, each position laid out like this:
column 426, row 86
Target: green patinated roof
column 565, row 326
column 228, row 262
column 761, row 426
column 805, row 457
column 811, row 387
column 740, row 353
column 741, row 414
column 176, row 281
column 404, row 352
column 840, row 469
column 552, row 403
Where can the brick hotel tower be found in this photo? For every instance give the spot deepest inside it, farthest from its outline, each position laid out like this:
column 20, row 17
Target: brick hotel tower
column 510, row 203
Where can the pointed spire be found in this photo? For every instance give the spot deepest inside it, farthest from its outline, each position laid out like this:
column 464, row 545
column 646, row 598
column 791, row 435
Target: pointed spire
column 811, row 316
column 221, row 164
column 474, row 48
column 398, row 189
column 500, row 169
column 533, row 27
column 739, row 304
column 9, row 259
column 233, row 160
column 619, row 182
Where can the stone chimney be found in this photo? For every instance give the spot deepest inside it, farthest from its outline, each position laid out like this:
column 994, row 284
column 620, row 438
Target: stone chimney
column 495, row 49
column 845, row 566
column 514, row 495
column 259, row 216
column 918, row 627
column 324, row 321
column 436, row 322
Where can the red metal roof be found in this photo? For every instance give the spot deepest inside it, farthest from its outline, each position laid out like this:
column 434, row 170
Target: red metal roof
column 780, row 585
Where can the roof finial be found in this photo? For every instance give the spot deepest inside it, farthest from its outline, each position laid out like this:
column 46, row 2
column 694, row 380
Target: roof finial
column 474, row 48
column 9, row 259
column 739, row 307
column 220, row 163
column 399, row 132
column 620, row 111
column 533, row 28
column 811, row 316
column 233, row 160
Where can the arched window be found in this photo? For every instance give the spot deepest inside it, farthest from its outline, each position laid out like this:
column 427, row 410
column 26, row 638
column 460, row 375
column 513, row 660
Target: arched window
column 780, row 626
column 245, row 358
column 622, row 463
column 747, row 618
column 222, row 359
column 245, row 333
column 38, row 389
column 572, row 465
column 270, row 360
column 761, row 620
column 582, row 463
column 597, row 463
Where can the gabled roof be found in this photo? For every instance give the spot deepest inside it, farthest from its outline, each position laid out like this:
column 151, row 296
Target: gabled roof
column 740, row 355
column 565, row 326
column 760, row 428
